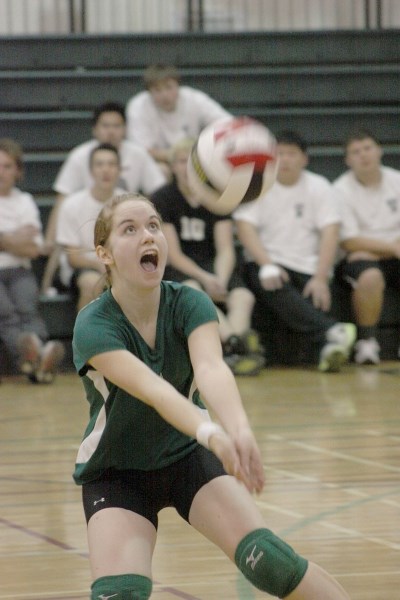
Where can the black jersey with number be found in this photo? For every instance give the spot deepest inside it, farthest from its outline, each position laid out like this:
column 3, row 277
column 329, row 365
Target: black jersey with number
column 194, row 225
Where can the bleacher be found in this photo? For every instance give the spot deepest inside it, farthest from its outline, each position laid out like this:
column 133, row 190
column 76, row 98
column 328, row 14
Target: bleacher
column 321, row 83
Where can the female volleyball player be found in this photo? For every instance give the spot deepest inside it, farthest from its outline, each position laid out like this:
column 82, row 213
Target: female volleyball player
column 146, row 350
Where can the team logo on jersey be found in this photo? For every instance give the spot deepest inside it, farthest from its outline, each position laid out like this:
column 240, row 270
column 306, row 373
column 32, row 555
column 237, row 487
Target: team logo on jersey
column 299, row 210
column 392, row 204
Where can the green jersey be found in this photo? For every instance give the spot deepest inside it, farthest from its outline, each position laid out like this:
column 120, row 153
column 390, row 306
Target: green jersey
column 123, row 432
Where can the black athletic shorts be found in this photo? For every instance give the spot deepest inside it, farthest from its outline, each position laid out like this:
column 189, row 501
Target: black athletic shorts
column 147, row 492
column 349, row 272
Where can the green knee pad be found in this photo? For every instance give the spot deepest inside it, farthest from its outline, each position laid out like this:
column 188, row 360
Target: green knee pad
column 122, row 587
column 269, row 563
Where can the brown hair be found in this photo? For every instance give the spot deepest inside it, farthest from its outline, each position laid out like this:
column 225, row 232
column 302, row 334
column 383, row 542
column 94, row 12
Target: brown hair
column 104, row 221
column 359, row 135
column 14, row 150
column 156, row 73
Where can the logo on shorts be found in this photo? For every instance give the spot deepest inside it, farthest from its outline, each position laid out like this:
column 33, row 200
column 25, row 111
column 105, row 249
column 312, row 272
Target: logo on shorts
column 253, row 560
column 94, row 504
column 103, row 597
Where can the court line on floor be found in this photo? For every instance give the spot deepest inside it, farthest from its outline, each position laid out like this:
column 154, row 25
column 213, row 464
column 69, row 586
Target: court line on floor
column 68, row 548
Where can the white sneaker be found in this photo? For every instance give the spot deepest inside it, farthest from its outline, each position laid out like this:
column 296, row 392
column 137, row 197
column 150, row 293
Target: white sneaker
column 343, row 334
column 367, row 352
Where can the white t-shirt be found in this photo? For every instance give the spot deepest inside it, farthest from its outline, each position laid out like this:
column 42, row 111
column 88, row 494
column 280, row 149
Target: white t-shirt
column 139, row 172
column 152, row 127
column 289, row 220
column 372, row 212
column 75, row 227
column 16, row 210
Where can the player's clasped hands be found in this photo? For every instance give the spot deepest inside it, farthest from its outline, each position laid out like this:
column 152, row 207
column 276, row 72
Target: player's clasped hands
column 240, row 457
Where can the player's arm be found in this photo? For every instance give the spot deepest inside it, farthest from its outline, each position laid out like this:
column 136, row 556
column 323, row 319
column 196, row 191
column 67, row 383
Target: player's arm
column 225, row 258
column 130, row 374
column 219, row 391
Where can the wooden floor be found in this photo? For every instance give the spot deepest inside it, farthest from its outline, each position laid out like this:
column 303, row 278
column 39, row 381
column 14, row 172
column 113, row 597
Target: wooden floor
column 331, row 448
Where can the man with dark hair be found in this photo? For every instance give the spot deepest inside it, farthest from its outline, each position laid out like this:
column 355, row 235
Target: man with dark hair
column 75, row 225
column 370, row 236
column 138, row 171
column 290, row 236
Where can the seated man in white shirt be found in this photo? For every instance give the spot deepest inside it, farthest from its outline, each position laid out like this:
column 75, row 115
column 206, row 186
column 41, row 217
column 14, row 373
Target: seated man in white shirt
column 370, row 236
column 167, row 112
column 76, row 219
column 138, row 171
column 291, row 236
column 22, row 329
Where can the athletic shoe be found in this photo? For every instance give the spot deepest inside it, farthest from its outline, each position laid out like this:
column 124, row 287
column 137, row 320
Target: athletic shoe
column 234, row 345
column 252, row 344
column 50, row 358
column 332, row 357
column 342, row 334
column 29, row 347
column 367, row 352
column 245, row 365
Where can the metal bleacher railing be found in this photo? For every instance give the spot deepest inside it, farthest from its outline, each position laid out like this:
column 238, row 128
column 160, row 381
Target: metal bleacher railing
column 31, row 17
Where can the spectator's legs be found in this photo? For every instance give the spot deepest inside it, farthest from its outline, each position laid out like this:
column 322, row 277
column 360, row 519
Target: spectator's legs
column 239, row 305
column 288, row 303
column 18, row 308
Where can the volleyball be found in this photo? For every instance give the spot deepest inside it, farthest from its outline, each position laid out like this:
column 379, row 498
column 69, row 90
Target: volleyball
column 233, row 161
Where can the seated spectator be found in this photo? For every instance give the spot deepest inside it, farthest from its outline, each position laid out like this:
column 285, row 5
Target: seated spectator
column 139, row 172
column 167, row 112
column 290, row 236
column 22, row 330
column 76, row 219
column 370, row 236
column 201, row 253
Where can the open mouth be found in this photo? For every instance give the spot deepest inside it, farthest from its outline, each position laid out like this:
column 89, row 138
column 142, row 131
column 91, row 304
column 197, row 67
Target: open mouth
column 149, row 261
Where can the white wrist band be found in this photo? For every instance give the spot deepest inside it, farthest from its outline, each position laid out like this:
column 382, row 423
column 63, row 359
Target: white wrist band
column 267, row 271
column 205, row 430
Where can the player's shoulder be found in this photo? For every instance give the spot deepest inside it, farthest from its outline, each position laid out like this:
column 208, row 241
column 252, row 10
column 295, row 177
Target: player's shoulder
column 179, row 292
column 97, row 310
column 167, row 197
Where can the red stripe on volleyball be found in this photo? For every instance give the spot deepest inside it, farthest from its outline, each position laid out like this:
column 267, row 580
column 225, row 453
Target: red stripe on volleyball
column 236, row 123
column 259, row 160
